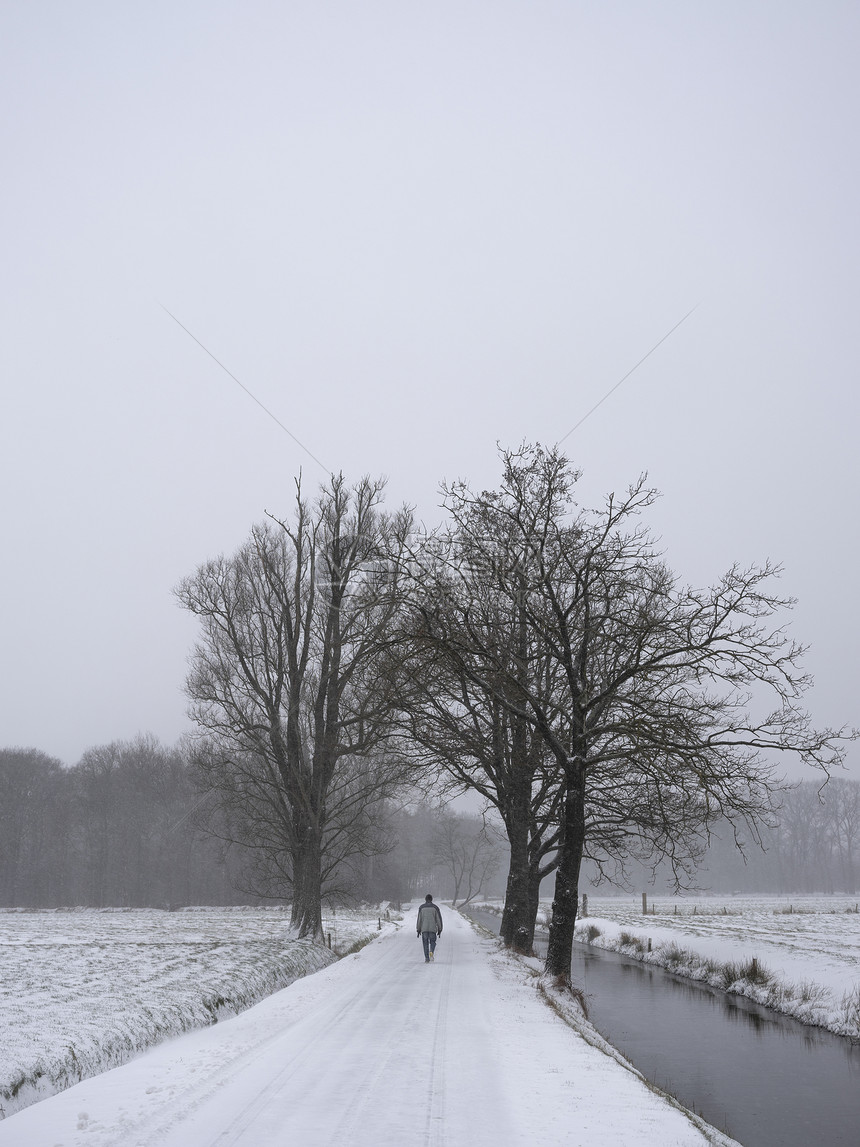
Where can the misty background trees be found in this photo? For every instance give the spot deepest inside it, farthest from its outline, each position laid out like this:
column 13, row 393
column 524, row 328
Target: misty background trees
column 114, row 830
column 125, row 834
column 123, row 827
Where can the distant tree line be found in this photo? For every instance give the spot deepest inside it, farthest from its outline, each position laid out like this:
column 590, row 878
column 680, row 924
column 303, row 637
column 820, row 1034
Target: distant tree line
column 115, row 830
column 128, row 826
column 124, row 827
column 813, row 846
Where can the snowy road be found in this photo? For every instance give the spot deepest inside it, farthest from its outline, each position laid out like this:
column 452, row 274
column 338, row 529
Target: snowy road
column 379, row 1050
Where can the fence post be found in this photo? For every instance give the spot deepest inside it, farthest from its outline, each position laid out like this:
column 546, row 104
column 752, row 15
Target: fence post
column 584, row 905
column 644, row 903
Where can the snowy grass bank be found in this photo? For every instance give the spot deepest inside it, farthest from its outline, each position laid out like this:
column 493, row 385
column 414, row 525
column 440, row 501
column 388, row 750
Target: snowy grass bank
column 84, row 990
column 799, row 956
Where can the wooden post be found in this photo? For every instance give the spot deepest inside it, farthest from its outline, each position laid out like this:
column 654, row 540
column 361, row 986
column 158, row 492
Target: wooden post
column 329, row 940
column 644, row 903
column 584, row 905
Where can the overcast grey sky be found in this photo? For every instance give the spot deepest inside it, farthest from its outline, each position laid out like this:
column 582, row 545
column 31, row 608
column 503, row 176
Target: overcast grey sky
column 412, row 230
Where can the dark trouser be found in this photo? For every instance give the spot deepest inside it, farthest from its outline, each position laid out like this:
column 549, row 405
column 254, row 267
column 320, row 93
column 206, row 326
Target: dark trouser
column 428, row 939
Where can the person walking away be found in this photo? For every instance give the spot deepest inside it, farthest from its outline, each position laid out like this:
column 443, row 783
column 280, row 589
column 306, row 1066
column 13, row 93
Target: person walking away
column 429, row 927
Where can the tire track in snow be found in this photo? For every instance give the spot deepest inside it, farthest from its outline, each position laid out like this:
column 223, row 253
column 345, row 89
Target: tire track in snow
column 369, row 1064
column 434, row 1134
column 386, row 1056
column 268, row 1096
column 182, row 1108
column 400, row 1044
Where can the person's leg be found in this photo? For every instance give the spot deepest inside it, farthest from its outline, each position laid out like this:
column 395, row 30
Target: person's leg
column 432, row 936
column 425, row 940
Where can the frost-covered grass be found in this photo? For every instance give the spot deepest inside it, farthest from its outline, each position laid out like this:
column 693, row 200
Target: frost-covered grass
column 797, row 955
column 85, row 990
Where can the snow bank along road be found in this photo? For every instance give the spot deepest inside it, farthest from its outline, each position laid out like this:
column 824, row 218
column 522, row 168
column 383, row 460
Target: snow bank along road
column 380, row 1050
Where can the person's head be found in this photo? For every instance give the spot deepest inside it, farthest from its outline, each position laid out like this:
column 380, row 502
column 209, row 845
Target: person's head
column 428, row 899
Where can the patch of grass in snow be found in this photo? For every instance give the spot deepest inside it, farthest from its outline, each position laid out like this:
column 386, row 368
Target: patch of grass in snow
column 673, row 956
column 560, row 994
column 809, row 993
column 850, row 1009
column 628, row 940
column 745, row 971
column 494, row 909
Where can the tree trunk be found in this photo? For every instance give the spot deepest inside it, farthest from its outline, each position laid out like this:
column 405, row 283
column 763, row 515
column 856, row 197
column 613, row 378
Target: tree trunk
column 564, row 905
column 298, row 886
column 307, row 904
column 515, row 916
column 534, row 896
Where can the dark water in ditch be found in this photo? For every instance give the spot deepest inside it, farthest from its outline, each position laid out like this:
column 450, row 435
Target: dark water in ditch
column 765, row 1079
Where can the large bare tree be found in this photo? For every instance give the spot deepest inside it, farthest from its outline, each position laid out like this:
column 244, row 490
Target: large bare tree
column 286, row 681
column 654, row 720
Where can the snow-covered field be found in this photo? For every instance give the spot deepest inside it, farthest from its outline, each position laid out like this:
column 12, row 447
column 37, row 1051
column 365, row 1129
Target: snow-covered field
column 84, row 990
column 806, row 948
column 379, row 1050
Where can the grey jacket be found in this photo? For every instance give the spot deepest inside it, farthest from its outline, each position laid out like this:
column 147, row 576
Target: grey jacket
column 429, row 919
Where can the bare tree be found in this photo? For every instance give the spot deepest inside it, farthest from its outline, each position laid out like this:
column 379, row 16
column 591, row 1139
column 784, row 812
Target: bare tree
column 648, row 721
column 467, row 849
column 286, row 681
